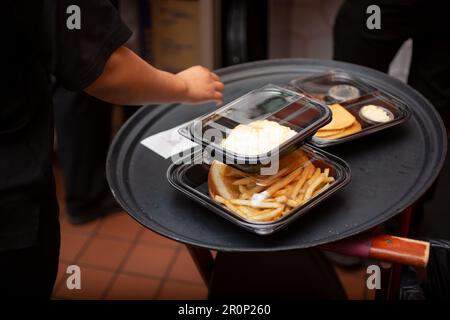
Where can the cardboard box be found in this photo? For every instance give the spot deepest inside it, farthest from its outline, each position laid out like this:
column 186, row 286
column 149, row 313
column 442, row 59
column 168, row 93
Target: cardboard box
column 176, row 34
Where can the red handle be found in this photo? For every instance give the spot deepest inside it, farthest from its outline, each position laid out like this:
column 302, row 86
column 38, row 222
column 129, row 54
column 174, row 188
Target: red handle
column 400, row 250
column 384, row 248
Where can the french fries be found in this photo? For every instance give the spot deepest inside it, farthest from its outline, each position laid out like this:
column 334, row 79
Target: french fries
column 271, row 215
column 244, row 181
column 255, row 203
column 242, row 189
column 268, row 198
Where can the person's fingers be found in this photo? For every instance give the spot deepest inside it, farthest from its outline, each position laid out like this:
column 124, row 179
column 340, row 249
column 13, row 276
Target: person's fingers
column 218, row 96
column 219, row 85
column 215, row 76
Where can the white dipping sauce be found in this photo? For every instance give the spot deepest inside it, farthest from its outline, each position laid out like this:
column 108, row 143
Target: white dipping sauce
column 376, row 113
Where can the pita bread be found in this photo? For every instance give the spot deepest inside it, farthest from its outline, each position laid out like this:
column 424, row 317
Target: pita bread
column 327, row 133
column 341, row 118
column 356, row 127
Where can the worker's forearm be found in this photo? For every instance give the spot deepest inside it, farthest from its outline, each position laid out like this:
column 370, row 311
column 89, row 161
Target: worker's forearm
column 127, row 79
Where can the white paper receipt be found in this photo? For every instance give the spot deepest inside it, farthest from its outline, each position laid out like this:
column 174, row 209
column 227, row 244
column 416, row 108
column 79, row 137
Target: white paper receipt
column 168, row 143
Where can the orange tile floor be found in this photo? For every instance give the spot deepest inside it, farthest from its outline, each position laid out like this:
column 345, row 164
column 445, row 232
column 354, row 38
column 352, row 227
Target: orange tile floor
column 120, row 259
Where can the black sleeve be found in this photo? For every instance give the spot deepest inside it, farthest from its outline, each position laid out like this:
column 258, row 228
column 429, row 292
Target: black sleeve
column 76, row 57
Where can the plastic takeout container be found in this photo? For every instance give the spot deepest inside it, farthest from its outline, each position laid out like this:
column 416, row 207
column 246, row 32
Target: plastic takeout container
column 302, row 115
column 191, row 179
column 337, row 87
column 301, row 107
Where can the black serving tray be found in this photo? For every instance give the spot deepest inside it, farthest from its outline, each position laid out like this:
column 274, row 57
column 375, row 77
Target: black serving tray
column 390, row 170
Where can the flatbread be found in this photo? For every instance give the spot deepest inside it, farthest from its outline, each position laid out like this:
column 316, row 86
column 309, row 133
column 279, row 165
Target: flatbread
column 356, row 127
column 342, row 119
column 327, row 133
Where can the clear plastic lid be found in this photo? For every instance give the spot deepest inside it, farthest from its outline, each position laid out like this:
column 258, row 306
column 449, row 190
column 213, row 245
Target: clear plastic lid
column 332, row 87
column 255, row 127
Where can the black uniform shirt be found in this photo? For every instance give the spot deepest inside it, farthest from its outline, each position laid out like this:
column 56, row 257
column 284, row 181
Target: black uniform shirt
column 40, row 38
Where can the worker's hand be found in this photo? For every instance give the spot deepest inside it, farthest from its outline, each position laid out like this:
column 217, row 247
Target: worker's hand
column 201, row 85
